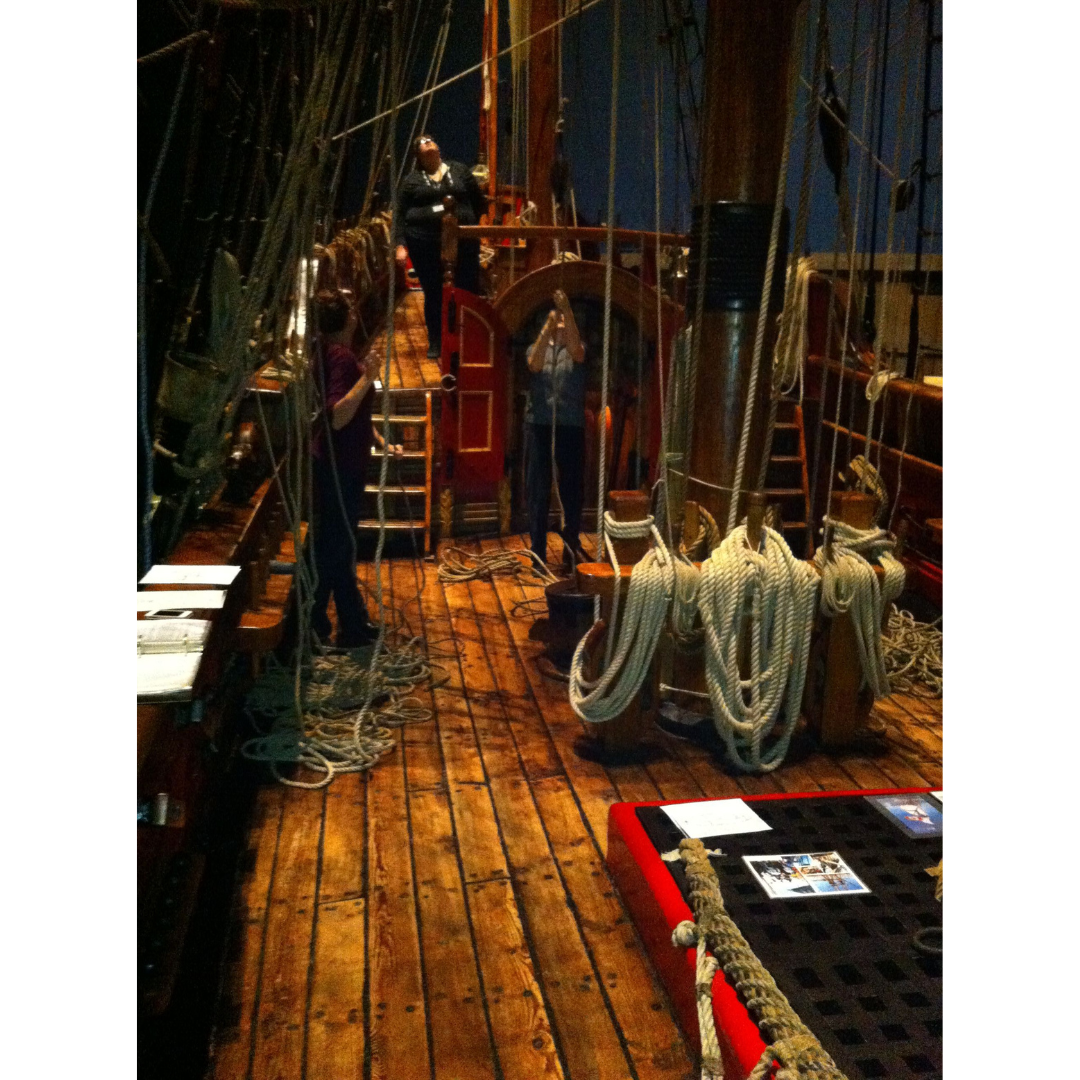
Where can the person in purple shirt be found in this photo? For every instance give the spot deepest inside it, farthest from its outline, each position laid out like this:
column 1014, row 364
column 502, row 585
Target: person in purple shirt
column 341, row 449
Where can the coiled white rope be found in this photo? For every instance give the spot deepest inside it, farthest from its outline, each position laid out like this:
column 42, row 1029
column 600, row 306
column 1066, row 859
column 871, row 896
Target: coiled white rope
column 651, row 586
column 339, row 729
column 912, row 652
column 771, row 595
column 849, row 583
column 457, row 565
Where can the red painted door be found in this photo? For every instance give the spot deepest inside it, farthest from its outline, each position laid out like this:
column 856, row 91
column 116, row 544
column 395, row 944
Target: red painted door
column 474, row 360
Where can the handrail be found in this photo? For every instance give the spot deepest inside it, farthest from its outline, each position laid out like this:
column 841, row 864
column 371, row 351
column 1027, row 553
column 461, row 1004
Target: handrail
column 568, row 234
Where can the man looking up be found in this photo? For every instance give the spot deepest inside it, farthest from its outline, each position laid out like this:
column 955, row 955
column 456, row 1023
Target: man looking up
column 555, row 428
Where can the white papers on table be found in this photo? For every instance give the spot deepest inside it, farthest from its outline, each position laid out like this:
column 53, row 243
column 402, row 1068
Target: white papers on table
column 717, row 817
column 171, row 635
column 937, row 795
column 167, row 673
column 180, row 600
column 163, row 574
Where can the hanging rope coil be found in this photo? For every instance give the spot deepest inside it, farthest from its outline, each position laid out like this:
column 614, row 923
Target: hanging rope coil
column 792, row 1045
column 625, row 667
column 770, row 595
column 849, row 584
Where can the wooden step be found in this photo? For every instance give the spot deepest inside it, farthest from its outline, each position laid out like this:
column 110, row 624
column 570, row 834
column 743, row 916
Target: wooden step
column 373, row 523
column 783, row 493
column 417, row 454
column 378, row 418
column 786, row 459
column 396, row 489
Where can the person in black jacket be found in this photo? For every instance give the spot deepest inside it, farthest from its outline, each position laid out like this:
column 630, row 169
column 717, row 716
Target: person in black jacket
column 435, row 187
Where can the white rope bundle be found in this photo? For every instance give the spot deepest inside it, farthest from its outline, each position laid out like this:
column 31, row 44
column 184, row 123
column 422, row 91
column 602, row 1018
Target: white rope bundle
column 339, row 730
column 684, row 603
column 458, row 565
column 646, row 608
column 772, row 593
column 913, row 655
column 686, row 935
column 849, row 583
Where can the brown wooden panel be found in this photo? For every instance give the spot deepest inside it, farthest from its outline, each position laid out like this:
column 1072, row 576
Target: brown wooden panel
column 344, row 837
column 279, row 1026
column 398, row 1034
column 582, row 1025
column 460, row 1039
column 519, row 1020
column 640, row 1007
column 336, row 1026
column 234, row 1030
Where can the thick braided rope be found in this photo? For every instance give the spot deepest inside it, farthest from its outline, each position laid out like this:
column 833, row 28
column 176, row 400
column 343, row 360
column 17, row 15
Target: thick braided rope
column 686, row 935
column 771, row 595
column 791, row 1043
column 849, row 584
column 651, row 586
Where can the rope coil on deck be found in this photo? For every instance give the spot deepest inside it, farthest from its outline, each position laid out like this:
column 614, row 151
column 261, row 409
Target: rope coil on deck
column 346, row 708
column 912, row 652
column 793, row 1047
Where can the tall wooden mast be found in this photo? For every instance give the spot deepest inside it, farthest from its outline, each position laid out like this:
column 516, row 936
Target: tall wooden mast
column 489, row 101
column 543, row 112
column 748, row 49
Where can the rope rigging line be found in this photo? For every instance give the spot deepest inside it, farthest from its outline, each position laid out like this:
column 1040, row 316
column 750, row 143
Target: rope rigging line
column 145, row 552
column 850, row 584
column 770, row 596
column 469, row 70
column 792, row 1045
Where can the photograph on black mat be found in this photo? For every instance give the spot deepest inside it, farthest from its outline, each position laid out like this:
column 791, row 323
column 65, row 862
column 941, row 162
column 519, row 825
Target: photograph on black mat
column 822, row 873
column 917, row 815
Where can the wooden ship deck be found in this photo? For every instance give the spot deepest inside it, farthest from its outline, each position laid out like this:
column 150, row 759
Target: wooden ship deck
column 448, row 914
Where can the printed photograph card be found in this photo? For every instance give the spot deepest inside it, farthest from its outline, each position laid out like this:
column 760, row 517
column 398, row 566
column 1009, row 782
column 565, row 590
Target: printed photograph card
column 820, row 873
column 917, row 815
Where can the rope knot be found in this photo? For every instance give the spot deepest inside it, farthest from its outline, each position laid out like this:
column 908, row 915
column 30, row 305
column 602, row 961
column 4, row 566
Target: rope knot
column 686, row 934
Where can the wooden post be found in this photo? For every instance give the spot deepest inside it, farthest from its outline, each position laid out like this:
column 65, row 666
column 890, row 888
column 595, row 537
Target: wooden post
column 836, row 703
column 543, row 112
column 630, row 728
column 748, row 46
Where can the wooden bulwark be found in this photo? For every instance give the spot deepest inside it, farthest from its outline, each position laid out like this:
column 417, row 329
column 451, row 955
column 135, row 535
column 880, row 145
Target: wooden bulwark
column 448, row 914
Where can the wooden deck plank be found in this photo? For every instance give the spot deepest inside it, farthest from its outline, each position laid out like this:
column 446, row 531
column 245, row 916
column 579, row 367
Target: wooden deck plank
column 282, row 1014
column 335, row 1046
column 622, row 971
column 344, row 832
column 397, row 1010
column 461, row 1042
column 234, row 1029
column 423, row 754
column 582, row 1026
column 519, row 1019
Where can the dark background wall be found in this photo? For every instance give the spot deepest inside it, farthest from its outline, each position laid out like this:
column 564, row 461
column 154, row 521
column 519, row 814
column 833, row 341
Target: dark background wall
column 587, row 52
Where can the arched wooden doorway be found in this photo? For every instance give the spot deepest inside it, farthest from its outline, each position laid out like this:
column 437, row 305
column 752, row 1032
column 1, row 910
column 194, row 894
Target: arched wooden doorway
column 522, row 308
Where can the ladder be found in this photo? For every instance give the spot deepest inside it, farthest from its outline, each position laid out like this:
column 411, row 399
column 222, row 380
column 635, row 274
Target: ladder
column 408, row 485
column 787, row 481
